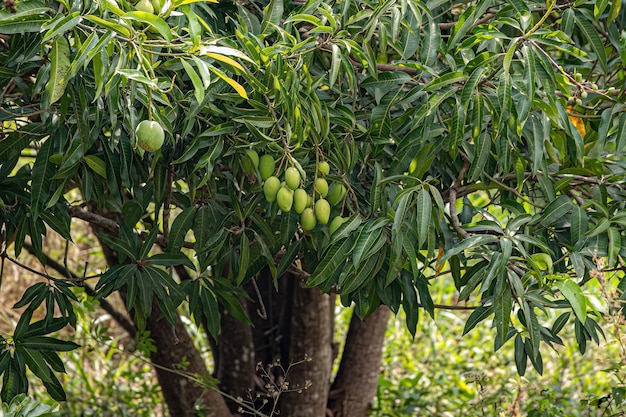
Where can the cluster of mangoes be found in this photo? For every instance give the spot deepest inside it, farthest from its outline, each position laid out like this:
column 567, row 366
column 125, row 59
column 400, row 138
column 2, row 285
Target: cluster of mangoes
column 289, row 194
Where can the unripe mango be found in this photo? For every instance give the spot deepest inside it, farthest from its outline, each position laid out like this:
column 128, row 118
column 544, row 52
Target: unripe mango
column 321, row 185
column 144, row 6
column 335, row 224
column 150, row 135
column 250, row 161
column 307, row 219
column 284, row 199
column 336, row 194
column 270, row 188
column 322, row 211
column 324, row 168
column 267, row 165
column 300, row 199
column 292, row 178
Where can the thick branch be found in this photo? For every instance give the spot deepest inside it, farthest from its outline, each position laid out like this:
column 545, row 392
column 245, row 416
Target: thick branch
column 112, row 226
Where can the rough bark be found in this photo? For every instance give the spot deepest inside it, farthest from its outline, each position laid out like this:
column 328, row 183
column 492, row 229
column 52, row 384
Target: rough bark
column 357, row 379
column 309, row 381
column 173, row 345
column 235, row 362
column 270, row 312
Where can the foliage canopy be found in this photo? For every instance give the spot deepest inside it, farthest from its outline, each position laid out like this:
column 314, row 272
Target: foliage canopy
column 484, row 140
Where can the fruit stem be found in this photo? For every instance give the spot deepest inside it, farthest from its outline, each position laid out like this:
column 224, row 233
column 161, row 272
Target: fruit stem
column 149, row 104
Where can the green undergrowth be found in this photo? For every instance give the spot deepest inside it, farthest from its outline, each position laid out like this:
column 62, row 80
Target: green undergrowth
column 443, row 373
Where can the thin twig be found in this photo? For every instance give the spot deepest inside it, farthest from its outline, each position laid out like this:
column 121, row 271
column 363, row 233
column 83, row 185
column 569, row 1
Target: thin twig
column 262, row 313
column 452, row 307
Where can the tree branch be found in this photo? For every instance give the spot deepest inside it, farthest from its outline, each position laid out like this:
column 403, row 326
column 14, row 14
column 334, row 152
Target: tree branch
column 94, row 219
column 452, row 307
column 111, row 225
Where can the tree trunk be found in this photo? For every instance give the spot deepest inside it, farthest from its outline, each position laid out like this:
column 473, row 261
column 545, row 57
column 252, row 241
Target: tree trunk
column 357, row 379
column 173, row 346
column 309, row 381
column 234, row 357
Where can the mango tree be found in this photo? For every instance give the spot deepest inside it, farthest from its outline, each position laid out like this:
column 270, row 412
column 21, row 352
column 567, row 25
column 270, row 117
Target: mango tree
column 257, row 162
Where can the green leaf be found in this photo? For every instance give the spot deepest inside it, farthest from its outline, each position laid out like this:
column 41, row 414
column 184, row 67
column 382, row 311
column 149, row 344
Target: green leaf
column 180, row 226
column 347, row 228
column 288, row 226
column 118, row 245
column 594, row 40
column 579, row 223
column 33, row 292
column 11, row 27
column 330, row 263
column 471, row 242
column 334, row 65
column 26, row 9
column 556, row 210
column 42, row 327
column 151, row 19
column 59, row 67
column 457, row 77
column 386, row 80
column 13, row 145
column 424, row 215
column 409, row 302
column 45, row 343
column 121, row 29
column 198, row 85
column 60, row 26
column 365, row 243
column 599, row 8
column 272, row 13
column 478, row 315
column 43, row 170
column 352, row 282
column 615, row 246
column 35, row 362
column 532, row 324
column 244, row 258
column 502, row 307
column 426, row 301
column 171, row 259
column 574, row 295
column 97, row 165
column 54, row 388
column 521, row 359
column 432, row 42
column 614, row 11
column 287, row 259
